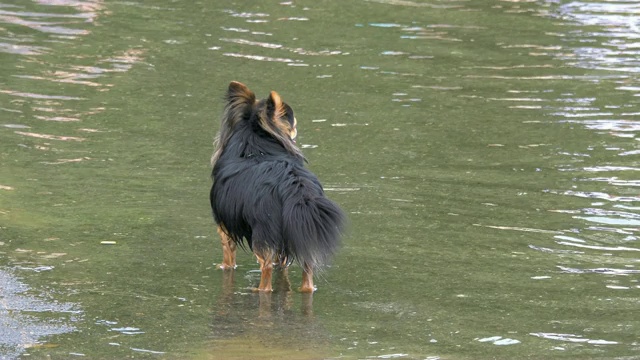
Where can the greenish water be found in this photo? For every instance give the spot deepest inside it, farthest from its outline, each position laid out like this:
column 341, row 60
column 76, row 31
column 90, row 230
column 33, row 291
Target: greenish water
column 487, row 153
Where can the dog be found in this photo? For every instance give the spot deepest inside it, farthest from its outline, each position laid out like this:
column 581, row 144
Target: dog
column 263, row 196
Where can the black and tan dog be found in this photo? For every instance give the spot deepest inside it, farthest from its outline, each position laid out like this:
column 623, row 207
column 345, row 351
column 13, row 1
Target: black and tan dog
column 263, row 194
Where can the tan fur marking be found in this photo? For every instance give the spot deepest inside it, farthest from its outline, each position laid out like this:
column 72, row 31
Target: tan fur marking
column 279, row 108
column 266, row 269
column 307, row 280
column 294, row 132
column 274, row 124
column 228, row 250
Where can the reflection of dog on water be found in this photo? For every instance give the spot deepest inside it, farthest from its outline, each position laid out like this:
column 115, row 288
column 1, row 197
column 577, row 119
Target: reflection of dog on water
column 263, row 196
column 269, row 303
column 283, row 328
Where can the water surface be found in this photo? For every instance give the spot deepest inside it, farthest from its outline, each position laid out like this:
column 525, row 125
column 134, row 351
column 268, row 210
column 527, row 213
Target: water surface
column 486, row 153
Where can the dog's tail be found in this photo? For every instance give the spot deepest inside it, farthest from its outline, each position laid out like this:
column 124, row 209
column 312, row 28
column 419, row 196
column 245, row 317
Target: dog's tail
column 313, row 224
column 239, row 104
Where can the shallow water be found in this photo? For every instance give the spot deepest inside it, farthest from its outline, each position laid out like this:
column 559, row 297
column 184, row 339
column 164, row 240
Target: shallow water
column 486, row 152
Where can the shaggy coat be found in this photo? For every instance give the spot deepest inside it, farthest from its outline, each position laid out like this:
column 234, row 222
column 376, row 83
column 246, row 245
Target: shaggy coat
column 262, row 194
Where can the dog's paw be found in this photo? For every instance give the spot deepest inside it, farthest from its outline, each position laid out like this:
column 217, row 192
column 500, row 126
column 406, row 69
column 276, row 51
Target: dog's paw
column 307, row 289
column 227, row 267
column 264, row 291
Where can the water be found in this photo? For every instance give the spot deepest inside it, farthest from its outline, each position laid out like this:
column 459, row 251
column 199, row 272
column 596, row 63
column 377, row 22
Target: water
column 486, row 153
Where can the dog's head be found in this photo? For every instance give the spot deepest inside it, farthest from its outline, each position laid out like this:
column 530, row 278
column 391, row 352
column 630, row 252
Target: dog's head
column 272, row 115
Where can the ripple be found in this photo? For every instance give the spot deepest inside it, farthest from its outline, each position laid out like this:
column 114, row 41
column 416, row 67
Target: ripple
column 294, row 18
column 16, row 126
column 610, row 221
column 128, row 330
column 556, row 251
column 596, row 195
column 42, row 26
column 246, row 15
column 267, row 45
column 261, row 58
column 50, row 137
column 499, row 340
column 415, row 4
column 516, row 228
column 155, row 352
column 572, row 338
column 40, row 96
column 56, row 118
column 234, row 29
column 597, row 247
column 385, row 25
column 253, row 43
column 393, row 53
column 46, row 15
column 430, row 32
column 606, row 168
column 63, row 77
column 604, row 124
column 603, row 271
column 22, row 49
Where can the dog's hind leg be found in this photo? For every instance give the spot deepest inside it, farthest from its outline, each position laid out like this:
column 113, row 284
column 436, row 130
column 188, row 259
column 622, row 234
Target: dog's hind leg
column 266, row 267
column 228, row 250
column 307, row 280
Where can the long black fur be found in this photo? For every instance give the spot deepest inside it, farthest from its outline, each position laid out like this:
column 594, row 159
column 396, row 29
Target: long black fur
column 263, row 194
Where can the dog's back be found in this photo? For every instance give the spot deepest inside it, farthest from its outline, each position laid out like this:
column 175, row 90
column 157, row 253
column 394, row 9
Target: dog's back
column 275, row 203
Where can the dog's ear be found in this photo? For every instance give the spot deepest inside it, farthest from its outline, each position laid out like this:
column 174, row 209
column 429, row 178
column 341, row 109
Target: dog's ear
column 275, row 107
column 239, row 94
column 272, row 120
column 240, row 101
column 239, row 104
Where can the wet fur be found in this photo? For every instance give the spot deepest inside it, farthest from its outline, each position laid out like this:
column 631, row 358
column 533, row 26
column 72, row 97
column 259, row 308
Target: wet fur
column 262, row 194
